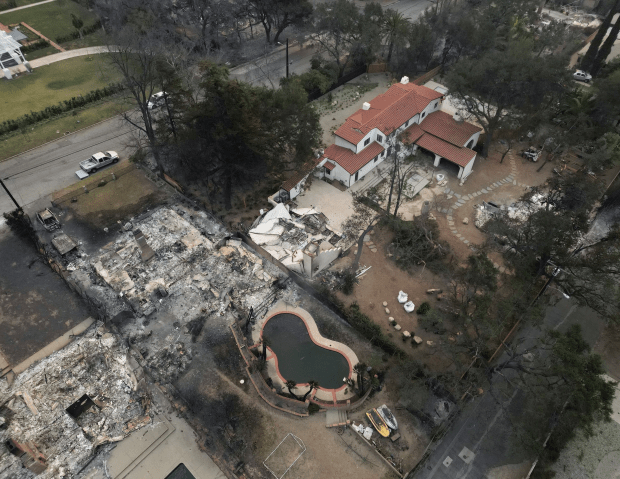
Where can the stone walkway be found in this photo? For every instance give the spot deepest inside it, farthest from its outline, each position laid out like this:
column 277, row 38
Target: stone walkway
column 462, row 200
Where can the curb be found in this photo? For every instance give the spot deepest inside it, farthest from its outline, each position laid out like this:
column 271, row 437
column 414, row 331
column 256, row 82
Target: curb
column 64, row 136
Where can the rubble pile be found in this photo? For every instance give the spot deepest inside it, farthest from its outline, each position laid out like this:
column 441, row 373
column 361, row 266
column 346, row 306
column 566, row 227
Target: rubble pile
column 169, row 363
column 56, row 413
column 300, row 238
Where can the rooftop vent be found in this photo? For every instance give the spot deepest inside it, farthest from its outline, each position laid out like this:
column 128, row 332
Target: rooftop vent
column 366, row 106
column 458, row 118
column 404, row 80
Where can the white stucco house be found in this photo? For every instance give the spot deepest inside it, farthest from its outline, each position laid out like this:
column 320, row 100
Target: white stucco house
column 362, row 143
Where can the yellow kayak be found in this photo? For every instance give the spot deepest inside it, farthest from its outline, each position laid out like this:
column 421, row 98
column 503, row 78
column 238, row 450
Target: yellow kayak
column 378, row 422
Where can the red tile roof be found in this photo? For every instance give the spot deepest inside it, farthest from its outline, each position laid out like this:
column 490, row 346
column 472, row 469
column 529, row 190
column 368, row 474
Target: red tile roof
column 350, row 161
column 460, row 156
column 411, row 134
column 300, row 174
column 443, row 125
column 388, row 111
column 329, row 165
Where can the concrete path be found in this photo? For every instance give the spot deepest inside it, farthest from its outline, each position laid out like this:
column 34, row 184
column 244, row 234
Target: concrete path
column 25, row 6
column 57, row 57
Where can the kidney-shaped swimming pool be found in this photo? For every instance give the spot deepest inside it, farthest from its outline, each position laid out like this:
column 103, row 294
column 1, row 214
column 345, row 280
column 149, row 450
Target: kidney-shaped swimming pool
column 299, row 358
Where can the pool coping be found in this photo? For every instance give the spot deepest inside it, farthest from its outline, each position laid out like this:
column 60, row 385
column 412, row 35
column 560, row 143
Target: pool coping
column 316, row 337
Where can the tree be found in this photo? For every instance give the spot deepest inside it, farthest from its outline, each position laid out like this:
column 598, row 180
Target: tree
column 549, row 237
column 589, row 58
column 280, row 14
column 312, row 384
column 502, row 87
column 290, row 385
column 337, row 27
column 239, row 133
column 358, row 225
column 395, row 29
column 135, row 57
column 605, row 50
column 78, row 24
column 360, row 370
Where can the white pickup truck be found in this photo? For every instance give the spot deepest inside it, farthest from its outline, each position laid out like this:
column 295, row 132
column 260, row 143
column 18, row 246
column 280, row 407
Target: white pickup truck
column 95, row 162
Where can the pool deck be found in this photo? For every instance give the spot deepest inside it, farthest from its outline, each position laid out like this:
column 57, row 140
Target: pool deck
column 331, row 395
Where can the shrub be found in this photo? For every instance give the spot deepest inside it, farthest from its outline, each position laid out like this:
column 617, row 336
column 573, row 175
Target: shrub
column 55, row 110
column 8, row 5
column 424, row 308
column 38, row 45
column 348, row 282
column 75, row 35
column 313, row 408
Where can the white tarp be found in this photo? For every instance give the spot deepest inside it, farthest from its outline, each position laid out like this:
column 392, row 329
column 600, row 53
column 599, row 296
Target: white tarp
column 271, row 227
column 305, row 211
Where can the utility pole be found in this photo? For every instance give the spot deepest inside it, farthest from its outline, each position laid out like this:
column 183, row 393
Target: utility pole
column 10, row 195
column 287, row 58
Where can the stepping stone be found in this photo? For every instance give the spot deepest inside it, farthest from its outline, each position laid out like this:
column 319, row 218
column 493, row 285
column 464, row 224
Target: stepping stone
column 443, row 210
column 495, row 265
column 457, row 195
column 476, row 194
column 455, row 232
column 384, row 304
column 449, row 217
column 514, row 182
column 398, row 327
column 466, row 241
column 450, row 223
column 458, row 235
column 449, row 197
column 450, row 210
column 502, row 269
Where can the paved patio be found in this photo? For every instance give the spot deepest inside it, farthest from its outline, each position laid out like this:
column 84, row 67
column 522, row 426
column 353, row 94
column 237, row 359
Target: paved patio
column 336, row 205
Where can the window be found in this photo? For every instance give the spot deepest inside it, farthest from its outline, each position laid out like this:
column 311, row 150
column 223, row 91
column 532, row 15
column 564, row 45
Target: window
column 379, row 138
column 435, row 105
column 423, row 115
column 327, row 172
column 376, row 158
column 407, row 123
column 383, row 154
column 366, row 141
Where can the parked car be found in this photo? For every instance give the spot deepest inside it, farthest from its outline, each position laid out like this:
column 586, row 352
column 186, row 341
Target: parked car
column 99, row 160
column 48, row 220
column 156, row 100
column 580, row 75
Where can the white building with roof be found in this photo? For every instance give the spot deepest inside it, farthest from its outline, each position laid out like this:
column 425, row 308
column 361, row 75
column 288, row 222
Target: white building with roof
column 10, row 54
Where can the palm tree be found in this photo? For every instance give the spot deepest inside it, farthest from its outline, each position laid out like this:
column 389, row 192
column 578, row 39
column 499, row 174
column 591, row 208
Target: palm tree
column 290, row 385
column 313, row 385
column 395, row 27
column 360, row 369
column 266, row 343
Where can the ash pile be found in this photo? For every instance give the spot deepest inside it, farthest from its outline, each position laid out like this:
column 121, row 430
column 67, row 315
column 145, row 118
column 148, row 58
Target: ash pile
column 56, row 413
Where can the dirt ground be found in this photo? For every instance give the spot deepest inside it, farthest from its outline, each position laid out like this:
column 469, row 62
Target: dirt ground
column 382, row 283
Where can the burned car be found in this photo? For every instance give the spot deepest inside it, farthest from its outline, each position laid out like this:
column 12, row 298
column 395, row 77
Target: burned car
column 48, row 220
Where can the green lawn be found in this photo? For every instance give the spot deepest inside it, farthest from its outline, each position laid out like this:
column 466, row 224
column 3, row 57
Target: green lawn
column 51, row 19
column 43, row 132
column 50, row 50
column 51, row 84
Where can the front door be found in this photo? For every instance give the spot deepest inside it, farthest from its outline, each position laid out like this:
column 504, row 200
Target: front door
column 356, row 175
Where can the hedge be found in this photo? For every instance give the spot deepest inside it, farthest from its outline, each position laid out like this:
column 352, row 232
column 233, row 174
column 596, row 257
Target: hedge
column 38, row 45
column 62, row 107
column 75, row 35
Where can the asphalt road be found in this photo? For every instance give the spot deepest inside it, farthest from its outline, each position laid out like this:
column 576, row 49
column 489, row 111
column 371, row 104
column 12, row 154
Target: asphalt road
column 480, row 439
column 268, row 69
column 33, row 176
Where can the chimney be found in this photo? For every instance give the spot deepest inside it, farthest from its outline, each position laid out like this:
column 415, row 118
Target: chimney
column 366, row 106
column 458, row 118
column 404, row 80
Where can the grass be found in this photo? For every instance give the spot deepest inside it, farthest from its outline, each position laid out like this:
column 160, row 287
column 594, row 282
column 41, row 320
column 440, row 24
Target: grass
column 41, row 53
column 51, row 19
column 51, row 84
column 116, row 200
column 17, row 142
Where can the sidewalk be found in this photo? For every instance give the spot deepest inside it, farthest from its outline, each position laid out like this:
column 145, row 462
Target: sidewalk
column 57, row 57
column 26, row 6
